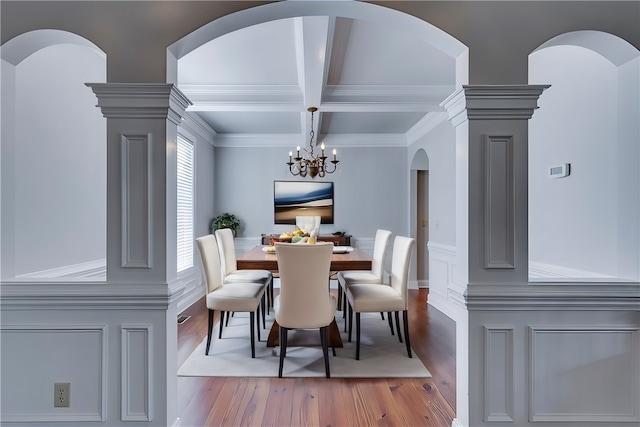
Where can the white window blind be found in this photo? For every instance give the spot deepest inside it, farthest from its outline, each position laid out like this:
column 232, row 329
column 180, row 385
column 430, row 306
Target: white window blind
column 185, row 204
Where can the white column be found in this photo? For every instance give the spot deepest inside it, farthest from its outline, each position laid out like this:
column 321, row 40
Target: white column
column 491, row 210
column 142, row 133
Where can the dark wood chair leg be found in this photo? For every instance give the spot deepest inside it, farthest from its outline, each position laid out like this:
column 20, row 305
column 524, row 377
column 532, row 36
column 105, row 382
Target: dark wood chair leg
column 283, row 349
column 252, row 319
column 325, row 350
column 227, row 321
column 258, row 321
column 206, row 352
column 390, row 322
column 221, row 323
column 358, row 336
column 350, row 321
column 382, row 315
column 264, row 310
column 398, row 325
column 406, row 333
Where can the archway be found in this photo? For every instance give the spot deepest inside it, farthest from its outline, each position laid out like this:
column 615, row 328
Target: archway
column 420, row 214
column 53, row 174
column 583, row 220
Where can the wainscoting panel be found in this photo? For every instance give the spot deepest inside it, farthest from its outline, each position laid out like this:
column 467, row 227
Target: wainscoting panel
column 86, row 371
column 498, row 373
column 444, row 295
column 584, row 374
column 137, row 378
column 499, row 202
column 136, row 178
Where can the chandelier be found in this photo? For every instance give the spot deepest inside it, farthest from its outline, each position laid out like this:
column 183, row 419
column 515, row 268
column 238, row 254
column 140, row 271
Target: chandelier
column 313, row 165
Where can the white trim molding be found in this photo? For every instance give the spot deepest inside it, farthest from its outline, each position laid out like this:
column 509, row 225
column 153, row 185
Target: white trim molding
column 79, row 337
column 136, row 368
column 607, row 296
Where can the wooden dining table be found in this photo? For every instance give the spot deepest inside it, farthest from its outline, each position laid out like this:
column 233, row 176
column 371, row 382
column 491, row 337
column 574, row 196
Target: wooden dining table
column 257, row 259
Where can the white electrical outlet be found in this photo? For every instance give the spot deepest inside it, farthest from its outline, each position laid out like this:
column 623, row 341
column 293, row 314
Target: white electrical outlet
column 61, row 395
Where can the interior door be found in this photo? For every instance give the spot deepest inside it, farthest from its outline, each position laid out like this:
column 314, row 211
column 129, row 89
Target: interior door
column 422, row 226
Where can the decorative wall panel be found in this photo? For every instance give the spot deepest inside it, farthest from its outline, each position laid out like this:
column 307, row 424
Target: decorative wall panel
column 499, row 208
column 498, row 374
column 136, row 200
column 583, row 374
column 137, row 378
column 80, row 360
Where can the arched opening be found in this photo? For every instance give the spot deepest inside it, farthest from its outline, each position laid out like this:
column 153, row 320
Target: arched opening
column 53, row 174
column 584, row 184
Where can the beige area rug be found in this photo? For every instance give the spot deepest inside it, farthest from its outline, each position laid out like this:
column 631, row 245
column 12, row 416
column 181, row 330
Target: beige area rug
column 381, row 354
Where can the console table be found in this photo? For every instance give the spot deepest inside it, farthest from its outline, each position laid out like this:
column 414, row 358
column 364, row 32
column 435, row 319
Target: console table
column 340, row 240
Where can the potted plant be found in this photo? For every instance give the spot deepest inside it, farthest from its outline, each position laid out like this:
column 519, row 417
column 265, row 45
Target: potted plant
column 225, row 220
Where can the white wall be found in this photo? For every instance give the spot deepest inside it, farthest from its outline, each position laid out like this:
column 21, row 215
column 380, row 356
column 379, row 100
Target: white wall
column 370, row 189
column 60, row 160
column 575, row 221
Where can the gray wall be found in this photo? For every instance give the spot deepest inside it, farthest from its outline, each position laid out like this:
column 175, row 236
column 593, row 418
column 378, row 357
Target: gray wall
column 370, row 189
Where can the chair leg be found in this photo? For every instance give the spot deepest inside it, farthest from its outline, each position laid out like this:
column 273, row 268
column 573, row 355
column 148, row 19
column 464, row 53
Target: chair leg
column 264, row 310
column 358, row 336
column 206, row 352
column 252, row 319
column 283, row 348
column 345, row 309
column 221, row 323
column 350, row 321
column 258, row 321
column 406, row 332
column 325, row 350
column 398, row 325
column 271, row 291
column 382, row 315
column 390, row 322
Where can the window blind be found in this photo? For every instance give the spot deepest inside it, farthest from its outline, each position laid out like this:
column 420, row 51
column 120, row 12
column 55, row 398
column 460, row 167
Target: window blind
column 185, row 204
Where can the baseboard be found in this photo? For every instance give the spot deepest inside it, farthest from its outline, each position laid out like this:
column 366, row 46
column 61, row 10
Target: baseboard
column 456, row 423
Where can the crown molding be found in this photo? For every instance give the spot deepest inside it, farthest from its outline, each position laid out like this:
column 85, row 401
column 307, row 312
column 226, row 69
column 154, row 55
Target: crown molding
column 502, row 102
column 141, row 100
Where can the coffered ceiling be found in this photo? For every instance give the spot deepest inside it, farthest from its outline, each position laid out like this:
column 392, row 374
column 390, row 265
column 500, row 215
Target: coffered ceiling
column 373, row 85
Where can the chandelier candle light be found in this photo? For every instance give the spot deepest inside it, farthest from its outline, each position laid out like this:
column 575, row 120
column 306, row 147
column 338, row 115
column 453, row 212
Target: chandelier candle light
column 313, row 165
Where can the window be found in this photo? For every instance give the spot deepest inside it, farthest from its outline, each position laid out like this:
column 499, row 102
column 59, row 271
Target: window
column 185, row 204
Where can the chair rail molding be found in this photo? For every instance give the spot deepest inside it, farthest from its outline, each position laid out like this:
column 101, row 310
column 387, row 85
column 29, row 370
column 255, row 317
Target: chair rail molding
column 88, row 295
column 606, row 296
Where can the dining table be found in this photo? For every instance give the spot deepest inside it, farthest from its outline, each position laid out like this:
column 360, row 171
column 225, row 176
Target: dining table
column 343, row 258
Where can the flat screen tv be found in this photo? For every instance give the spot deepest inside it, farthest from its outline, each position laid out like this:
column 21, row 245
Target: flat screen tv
column 293, row 198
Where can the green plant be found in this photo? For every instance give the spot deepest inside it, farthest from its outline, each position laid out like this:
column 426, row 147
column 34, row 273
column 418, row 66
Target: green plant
column 225, row 220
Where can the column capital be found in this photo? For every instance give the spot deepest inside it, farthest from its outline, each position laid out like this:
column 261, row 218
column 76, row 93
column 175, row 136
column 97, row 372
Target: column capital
column 140, row 100
column 502, row 102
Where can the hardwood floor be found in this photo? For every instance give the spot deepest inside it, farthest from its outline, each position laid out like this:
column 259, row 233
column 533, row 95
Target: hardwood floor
column 205, row 401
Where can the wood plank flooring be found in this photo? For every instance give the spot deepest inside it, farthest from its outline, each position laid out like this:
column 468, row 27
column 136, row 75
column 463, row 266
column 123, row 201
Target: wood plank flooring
column 205, row 401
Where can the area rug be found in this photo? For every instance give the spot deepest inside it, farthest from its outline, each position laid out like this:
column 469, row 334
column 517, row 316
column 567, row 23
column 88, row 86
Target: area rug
column 381, row 354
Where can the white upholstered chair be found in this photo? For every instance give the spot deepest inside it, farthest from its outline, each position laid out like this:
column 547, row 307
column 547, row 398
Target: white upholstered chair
column 375, row 275
column 229, row 266
column 226, row 298
column 371, row 297
column 304, row 301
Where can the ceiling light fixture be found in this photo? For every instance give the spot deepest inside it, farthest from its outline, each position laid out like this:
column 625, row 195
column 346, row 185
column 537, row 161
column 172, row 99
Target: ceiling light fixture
column 312, row 165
